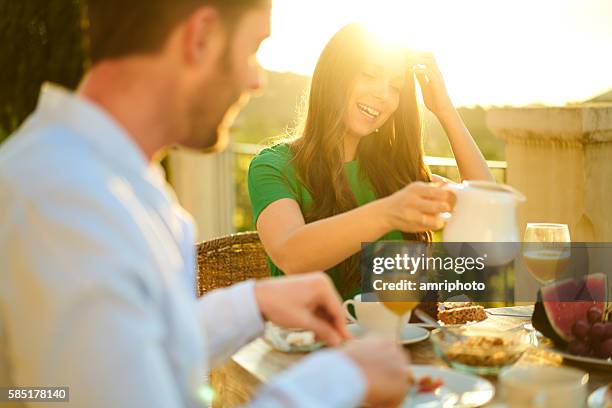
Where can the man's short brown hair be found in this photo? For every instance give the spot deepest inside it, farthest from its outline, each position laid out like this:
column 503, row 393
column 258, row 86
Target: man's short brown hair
column 117, row 28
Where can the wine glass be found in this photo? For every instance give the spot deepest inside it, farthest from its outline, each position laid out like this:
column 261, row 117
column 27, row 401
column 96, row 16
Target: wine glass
column 547, row 250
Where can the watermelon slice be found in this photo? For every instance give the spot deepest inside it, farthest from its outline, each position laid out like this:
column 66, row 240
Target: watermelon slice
column 563, row 303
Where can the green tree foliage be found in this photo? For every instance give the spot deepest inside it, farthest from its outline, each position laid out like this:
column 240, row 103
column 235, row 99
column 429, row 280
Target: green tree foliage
column 436, row 141
column 41, row 41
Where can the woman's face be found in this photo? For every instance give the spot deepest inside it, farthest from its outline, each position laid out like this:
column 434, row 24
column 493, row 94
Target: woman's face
column 374, row 97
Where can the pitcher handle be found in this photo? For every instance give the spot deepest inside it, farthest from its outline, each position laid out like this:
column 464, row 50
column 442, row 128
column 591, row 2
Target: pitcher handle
column 346, row 311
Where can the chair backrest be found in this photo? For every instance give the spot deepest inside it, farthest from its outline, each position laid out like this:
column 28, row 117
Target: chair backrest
column 230, row 259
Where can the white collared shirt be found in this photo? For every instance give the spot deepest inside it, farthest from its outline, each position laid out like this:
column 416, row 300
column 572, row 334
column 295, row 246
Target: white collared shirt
column 97, row 277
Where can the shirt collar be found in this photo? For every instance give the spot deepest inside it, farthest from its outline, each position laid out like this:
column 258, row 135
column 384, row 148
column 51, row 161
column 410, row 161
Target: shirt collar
column 94, row 124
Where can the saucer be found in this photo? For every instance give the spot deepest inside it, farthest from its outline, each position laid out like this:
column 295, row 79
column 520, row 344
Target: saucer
column 411, row 333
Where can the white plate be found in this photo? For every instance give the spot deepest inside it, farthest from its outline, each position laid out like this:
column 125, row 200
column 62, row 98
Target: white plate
column 596, row 399
column 431, row 326
column 425, row 325
column 411, row 333
column 459, row 389
column 586, row 360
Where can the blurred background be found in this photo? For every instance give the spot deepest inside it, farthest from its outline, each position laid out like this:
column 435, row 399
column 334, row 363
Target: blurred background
column 531, row 79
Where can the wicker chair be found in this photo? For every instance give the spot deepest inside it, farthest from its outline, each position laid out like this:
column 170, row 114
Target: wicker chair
column 230, row 259
column 222, row 262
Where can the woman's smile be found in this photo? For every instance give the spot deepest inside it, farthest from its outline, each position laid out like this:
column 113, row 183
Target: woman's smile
column 368, row 111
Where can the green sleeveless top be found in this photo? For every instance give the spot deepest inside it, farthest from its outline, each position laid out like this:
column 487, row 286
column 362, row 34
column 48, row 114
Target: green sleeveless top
column 271, row 177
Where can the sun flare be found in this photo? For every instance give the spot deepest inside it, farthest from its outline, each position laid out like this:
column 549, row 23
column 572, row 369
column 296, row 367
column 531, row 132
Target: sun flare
column 490, row 52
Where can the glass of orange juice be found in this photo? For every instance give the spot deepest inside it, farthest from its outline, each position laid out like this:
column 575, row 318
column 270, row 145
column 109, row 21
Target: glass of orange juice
column 398, row 298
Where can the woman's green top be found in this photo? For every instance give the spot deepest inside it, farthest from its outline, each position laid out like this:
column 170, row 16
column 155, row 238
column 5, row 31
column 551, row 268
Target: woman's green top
column 272, row 177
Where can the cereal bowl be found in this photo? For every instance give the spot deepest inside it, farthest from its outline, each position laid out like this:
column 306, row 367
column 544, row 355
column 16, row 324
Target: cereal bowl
column 477, row 350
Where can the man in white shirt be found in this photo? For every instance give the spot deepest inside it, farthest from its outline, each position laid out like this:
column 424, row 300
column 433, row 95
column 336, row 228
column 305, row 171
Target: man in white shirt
column 96, row 258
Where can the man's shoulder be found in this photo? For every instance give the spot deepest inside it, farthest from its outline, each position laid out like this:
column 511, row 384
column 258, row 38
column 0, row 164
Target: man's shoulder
column 43, row 159
column 55, row 176
column 54, row 172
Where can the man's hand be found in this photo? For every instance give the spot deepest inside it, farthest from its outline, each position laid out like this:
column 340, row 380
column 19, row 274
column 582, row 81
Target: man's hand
column 308, row 301
column 385, row 368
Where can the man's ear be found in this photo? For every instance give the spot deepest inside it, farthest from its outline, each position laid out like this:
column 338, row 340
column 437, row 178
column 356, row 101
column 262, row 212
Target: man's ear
column 204, row 37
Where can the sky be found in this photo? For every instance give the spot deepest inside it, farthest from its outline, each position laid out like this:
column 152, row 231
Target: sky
column 491, row 52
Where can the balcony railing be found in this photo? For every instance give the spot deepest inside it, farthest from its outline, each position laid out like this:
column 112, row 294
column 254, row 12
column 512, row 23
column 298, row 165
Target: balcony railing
column 242, row 154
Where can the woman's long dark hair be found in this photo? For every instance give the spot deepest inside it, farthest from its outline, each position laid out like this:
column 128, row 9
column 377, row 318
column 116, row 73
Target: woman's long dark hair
column 390, row 158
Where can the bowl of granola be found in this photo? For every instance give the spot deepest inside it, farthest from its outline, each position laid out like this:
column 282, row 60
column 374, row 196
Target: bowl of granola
column 479, row 350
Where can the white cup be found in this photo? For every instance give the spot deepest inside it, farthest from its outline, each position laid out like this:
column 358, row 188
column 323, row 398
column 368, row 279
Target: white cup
column 374, row 317
column 543, row 387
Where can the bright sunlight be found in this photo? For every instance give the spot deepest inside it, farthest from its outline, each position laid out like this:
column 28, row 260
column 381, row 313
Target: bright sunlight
column 491, row 52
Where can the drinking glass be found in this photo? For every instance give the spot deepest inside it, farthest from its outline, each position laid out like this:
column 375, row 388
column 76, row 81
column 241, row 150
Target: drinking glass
column 401, row 302
column 543, row 386
column 546, row 251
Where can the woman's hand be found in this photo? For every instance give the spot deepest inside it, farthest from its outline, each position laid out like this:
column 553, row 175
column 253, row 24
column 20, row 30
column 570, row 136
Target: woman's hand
column 435, row 95
column 471, row 162
column 417, row 207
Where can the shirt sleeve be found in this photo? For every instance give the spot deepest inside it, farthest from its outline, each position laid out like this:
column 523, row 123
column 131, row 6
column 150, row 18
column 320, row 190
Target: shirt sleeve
column 324, row 379
column 229, row 318
column 77, row 308
column 268, row 181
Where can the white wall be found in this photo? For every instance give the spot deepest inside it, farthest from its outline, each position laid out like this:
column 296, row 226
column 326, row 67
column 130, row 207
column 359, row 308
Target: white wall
column 204, row 186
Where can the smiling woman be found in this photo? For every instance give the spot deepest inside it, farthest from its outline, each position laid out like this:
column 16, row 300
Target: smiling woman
column 356, row 172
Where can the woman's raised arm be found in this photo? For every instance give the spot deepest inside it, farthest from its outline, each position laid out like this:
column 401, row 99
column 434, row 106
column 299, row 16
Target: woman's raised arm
column 470, row 161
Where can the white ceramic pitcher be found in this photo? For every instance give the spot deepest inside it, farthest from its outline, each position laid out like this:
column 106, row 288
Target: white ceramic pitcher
column 485, row 212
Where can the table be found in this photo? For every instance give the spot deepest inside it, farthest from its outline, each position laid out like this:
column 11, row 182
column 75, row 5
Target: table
column 258, row 362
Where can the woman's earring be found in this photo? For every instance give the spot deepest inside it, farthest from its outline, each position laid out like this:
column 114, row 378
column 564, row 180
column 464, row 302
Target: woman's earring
column 376, row 131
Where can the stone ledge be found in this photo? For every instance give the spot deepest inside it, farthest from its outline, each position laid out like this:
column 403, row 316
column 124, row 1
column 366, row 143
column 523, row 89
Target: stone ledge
column 583, row 124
